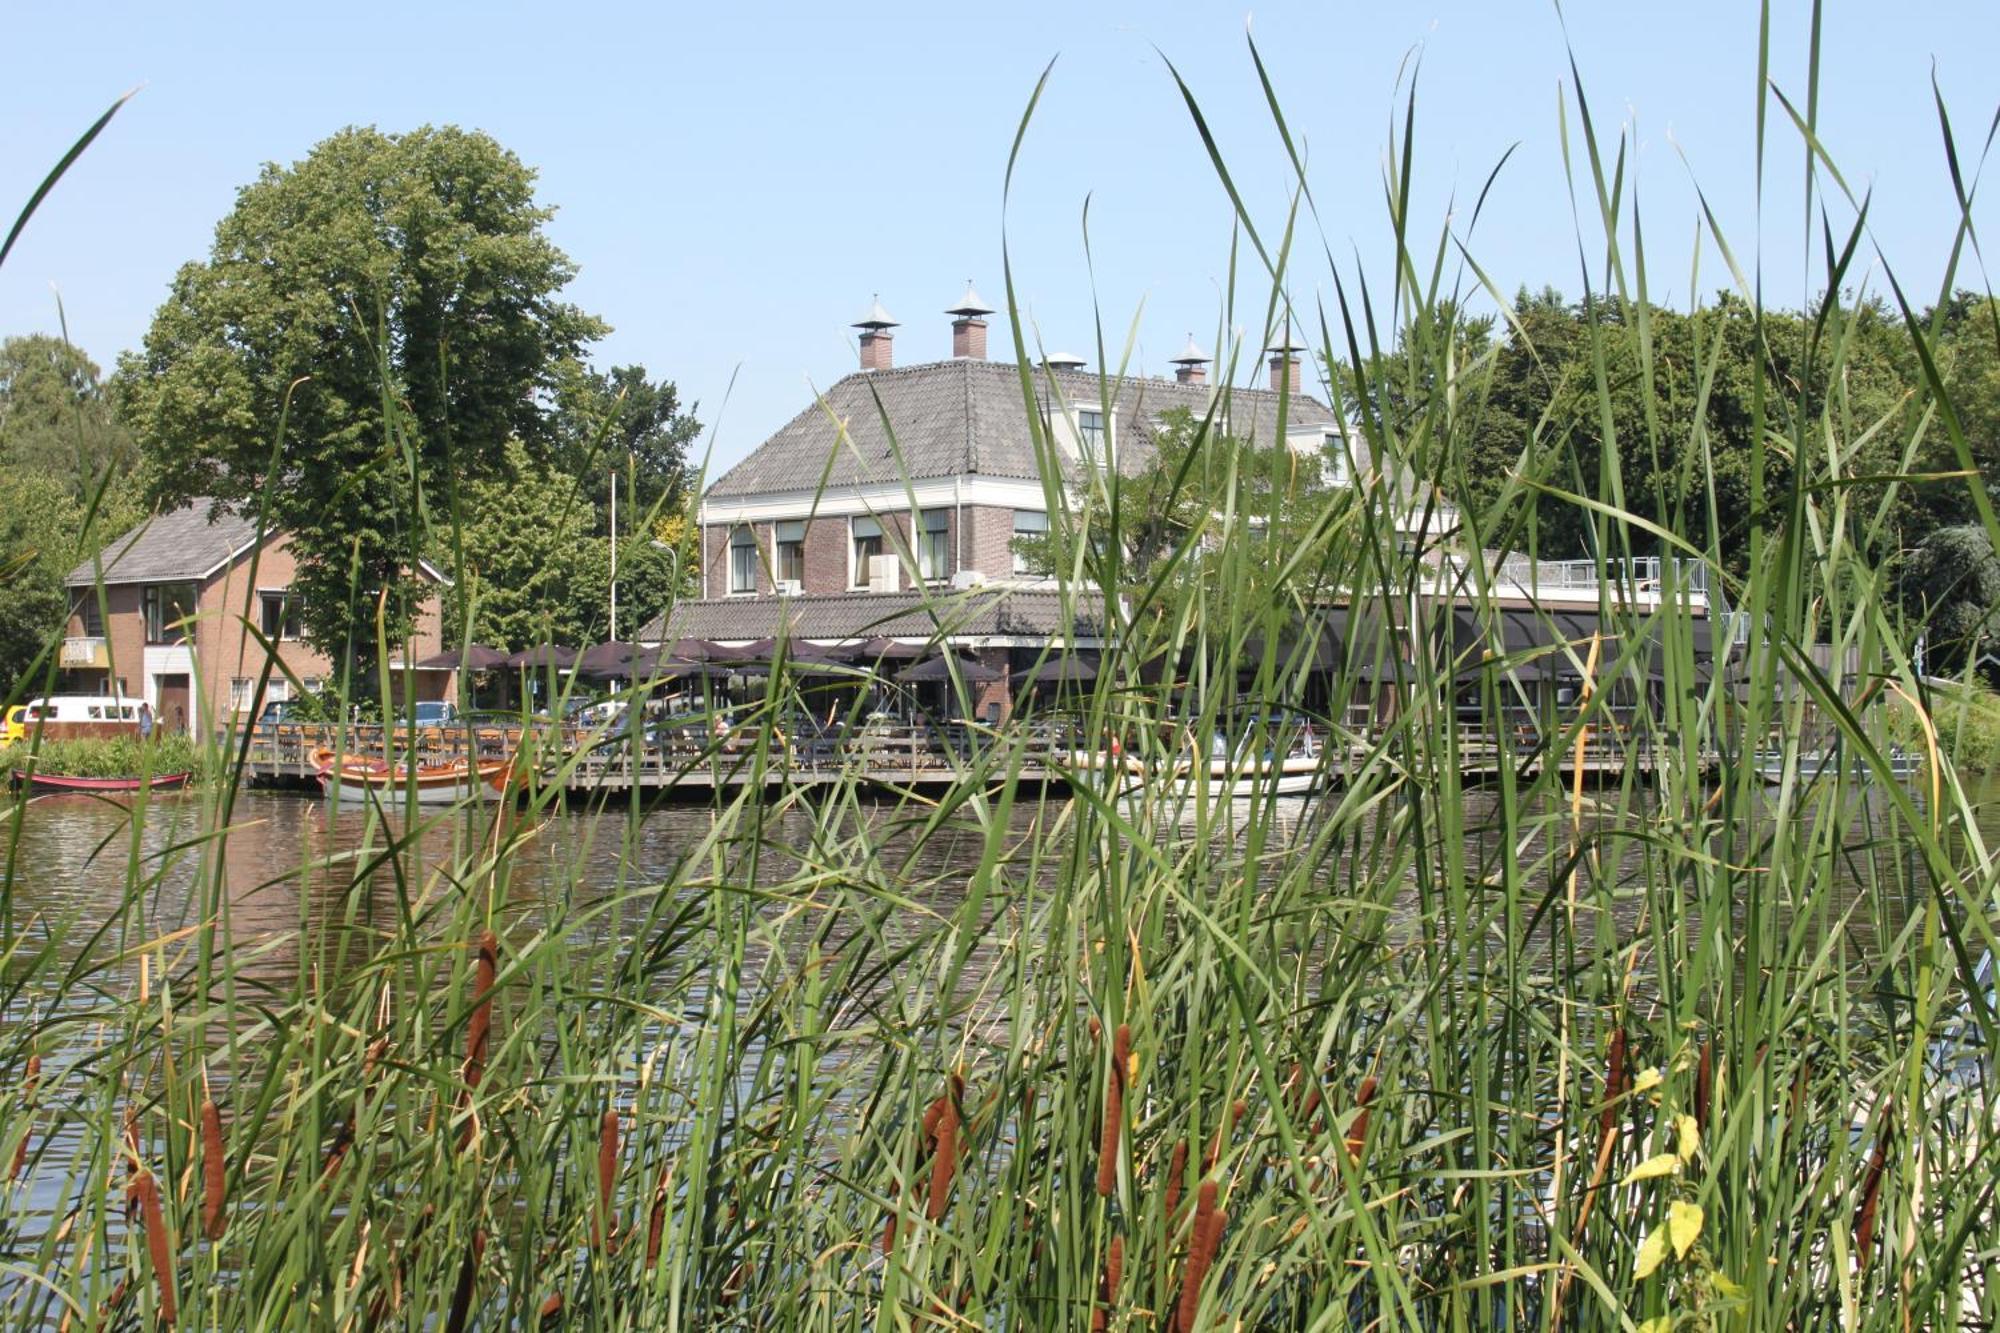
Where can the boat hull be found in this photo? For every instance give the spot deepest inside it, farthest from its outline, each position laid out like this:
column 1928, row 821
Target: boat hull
column 51, row 782
column 1222, row 779
column 373, row 782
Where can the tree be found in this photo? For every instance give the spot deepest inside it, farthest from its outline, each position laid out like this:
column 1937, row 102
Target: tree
column 42, row 537
column 392, row 300
column 624, row 422
column 56, row 416
column 1950, row 588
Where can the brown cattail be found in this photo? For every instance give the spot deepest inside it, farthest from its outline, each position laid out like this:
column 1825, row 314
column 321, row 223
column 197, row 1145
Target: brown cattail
column 1114, row 1111
column 1107, row 1290
column 1614, row 1081
column 158, row 1244
column 1357, row 1133
column 656, row 1222
column 214, row 1171
column 889, row 1226
column 1176, row 1169
column 480, row 1027
column 552, row 1307
column 1222, row 1133
column 607, row 1175
column 1871, row 1195
column 1704, row 1085
column 944, row 1159
column 468, row 1276
column 1201, row 1252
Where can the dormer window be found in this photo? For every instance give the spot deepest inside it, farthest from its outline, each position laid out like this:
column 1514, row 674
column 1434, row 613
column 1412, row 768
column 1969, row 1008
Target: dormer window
column 1090, row 429
column 1335, row 455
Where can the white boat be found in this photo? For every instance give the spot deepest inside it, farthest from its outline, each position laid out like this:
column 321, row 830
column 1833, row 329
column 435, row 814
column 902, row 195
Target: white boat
column 1812, row 765
column 1223, row 777
column 353, row 778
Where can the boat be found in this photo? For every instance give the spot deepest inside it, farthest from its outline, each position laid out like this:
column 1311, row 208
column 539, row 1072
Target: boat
column 355, row 778
column 1901, row 765
column 55, row 782
column 1223, row 775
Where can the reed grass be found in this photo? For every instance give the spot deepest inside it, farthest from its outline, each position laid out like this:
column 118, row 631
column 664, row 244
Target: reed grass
column 1442, row 1053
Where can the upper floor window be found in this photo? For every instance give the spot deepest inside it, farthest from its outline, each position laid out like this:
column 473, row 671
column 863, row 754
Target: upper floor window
column 90, row 614
column 278, row 613
column 742, row 561
column 1031, row 528
column 789, row 559
column 867, row 535
column 1335, row 466
column 1090, row 429
column 934, row 544
column 166, row 605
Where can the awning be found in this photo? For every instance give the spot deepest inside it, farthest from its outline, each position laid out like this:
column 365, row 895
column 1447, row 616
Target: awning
column 1549, row 645
column 472, row 657
column 940, row 668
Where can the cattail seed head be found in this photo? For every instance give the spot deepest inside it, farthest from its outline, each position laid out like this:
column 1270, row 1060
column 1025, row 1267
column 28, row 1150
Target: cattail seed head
column 944, row 1159
column 480, row 1027
column 1114, row 1112
column 1614, row 1081
column 1357, row 1132
column 1176, row 1171
column 1704, row 1085
column 1107, row 1287
column 158, row 1244
column 1201, row 1253
column 1871, row 1195
column 607, row 1176
column 214, row 1172
column 656, row 1222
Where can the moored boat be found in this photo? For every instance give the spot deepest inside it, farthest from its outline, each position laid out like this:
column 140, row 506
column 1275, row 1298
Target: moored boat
column 353, row 778
column 55, row 782
column 1225, row 777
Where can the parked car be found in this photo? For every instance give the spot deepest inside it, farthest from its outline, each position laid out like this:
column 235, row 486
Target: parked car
column 430, row 713
column 277, row 711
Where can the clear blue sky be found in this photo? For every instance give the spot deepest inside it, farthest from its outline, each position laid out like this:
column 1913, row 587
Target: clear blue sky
column 736, row 180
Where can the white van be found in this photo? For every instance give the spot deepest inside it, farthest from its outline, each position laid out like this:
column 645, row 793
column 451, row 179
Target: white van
column 114, row 714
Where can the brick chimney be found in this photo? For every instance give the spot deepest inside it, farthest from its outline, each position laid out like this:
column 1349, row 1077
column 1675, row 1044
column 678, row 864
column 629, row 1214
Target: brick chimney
column 1191, row 366
column 968, row 326
column 1284, row 362
column 877, row 343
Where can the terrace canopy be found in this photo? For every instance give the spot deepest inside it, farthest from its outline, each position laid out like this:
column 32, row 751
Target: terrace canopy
column 942, row 668
column 1064, row 670
column 607, row 661
column 472, row 657
column 1547, row 645
column 543, row 658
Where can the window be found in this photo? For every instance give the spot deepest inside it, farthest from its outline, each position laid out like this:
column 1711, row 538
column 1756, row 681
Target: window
column 742, row 561
column 1336, row 458
column 241, row 690
column 867, row 534
column 934, row 544
column 789, row 559
column 1033, row 525
column 278, row 615
column 91, row 615
column 1090, row 429
column 166, row 605
column 311, row 684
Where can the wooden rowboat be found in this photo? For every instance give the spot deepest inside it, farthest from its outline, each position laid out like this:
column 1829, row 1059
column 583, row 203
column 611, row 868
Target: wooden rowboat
column 357, row 779
column 53, row 782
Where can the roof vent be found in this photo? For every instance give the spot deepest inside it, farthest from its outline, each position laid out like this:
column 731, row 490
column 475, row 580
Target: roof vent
column 1063, row 361
column 1191, row 366
column 968, row 325
column 876, row 340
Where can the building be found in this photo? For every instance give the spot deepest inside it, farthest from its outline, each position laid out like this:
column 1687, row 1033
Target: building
column 169, row 627
column 895, row 504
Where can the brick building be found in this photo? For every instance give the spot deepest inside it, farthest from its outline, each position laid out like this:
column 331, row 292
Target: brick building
column 169, row 628
column 894, row 504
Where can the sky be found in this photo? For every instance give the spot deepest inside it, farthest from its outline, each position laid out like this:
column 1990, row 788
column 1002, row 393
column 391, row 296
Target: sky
column 736, row 182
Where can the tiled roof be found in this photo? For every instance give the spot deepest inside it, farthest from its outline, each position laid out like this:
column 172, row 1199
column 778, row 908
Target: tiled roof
column 966, row 418
column 985, row 612
column 180, row 544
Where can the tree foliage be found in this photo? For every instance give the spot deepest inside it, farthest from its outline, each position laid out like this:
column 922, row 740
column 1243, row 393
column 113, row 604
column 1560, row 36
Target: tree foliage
column 56, row 413
column 1950, row 585
column 625, row 423
column 392, row 300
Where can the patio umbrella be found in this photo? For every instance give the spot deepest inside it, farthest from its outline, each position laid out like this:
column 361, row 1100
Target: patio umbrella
column 1065, row 670
column 879, row 649
column 542, row 657
column 607, row 660
column 940, row 668
column 695, row 650
column 472, row 657
column 757, row 650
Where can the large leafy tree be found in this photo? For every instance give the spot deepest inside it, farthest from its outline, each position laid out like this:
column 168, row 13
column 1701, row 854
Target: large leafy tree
column 56, row 416
column 1950, row 585
column 371, row 326
column 46, row 530
column 625, row 423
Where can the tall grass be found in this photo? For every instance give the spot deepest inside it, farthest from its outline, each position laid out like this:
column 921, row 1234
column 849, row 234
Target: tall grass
column 1668, row 1051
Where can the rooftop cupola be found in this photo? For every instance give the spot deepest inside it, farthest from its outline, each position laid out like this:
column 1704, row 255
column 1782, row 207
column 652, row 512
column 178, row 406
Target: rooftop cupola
column 1191, row 366
column 1284, row 362
column 968, row 325
column 876, row 339
column 1063, row 361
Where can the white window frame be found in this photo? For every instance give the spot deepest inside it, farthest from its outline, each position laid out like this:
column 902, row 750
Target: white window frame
column 742, row 538
column 1021, row 563
column 780, row 539
column 858, row 564
column 1101, row 444
column 933, row 533
column 288, row 604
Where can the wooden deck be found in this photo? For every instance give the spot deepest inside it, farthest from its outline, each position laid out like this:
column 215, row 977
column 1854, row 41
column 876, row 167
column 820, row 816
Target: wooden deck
column 901, row 756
